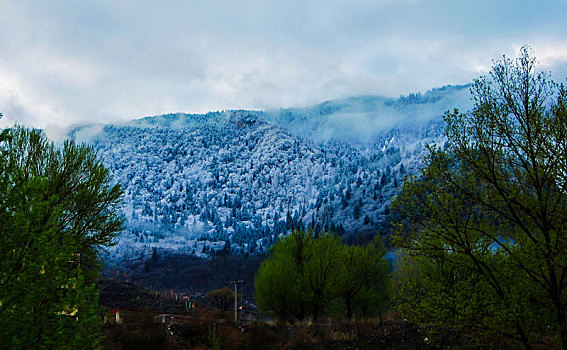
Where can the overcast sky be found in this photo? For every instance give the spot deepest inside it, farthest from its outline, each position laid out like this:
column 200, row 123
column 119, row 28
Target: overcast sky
column 69, row 62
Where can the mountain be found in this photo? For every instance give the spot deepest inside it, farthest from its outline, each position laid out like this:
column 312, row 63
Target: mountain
column 232, row 181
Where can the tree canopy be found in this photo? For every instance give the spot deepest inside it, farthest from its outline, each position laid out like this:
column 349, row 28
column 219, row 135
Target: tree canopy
column 312, row 276
column 482, row 228
column 58, row 207
column 221, row 298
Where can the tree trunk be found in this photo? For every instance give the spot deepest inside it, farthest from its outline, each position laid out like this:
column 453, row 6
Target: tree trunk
column 523, row 337
column 315, row 312
column 564, row 335
column 348, row 304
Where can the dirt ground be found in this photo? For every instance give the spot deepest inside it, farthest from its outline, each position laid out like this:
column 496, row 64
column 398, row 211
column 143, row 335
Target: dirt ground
column 211, row 334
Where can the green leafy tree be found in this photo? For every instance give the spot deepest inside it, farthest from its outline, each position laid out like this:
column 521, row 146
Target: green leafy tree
column 362, row 279
column 484, row 225
column 321, row 272
column 277, row 289
column 57, row 208
column 305, row 275
column 279, row 284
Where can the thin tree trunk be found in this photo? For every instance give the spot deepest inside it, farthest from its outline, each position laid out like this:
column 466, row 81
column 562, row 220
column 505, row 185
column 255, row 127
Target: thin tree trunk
column 348, row 304
column 523, row 337
column 564, row 335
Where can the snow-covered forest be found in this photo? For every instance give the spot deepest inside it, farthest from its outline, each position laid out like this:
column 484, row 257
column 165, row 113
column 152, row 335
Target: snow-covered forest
column 233, row 181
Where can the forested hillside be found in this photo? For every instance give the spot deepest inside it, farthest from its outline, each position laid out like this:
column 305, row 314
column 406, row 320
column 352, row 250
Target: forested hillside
column 235, row 180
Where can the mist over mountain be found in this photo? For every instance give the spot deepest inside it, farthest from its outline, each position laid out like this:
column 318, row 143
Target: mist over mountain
column 233, row 181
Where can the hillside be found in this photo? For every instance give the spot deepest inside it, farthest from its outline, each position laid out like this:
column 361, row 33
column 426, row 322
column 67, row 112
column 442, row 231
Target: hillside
column 232, row 181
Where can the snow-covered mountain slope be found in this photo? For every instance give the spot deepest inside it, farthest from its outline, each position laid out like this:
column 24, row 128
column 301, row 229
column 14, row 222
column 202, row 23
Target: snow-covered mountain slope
column 237, row 179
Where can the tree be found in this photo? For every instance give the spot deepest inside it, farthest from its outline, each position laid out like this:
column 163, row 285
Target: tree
column 57, row 208
column 222, row 298
column 277, row 291
column 279, row 283
column 320, row 272
column 362, row 279
column 306, row 275
column 356, row 211
column 490, row 208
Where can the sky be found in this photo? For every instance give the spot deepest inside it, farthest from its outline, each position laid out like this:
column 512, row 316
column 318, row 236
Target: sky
column 64, row 63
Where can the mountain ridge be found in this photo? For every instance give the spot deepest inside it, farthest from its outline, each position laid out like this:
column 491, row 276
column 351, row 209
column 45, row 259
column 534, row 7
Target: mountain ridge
column 233, row 181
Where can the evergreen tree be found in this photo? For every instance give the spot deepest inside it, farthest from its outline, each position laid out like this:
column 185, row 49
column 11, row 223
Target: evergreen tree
column 155, row 256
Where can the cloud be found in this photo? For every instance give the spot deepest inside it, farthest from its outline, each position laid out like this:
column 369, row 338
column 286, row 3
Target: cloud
column 65, row 63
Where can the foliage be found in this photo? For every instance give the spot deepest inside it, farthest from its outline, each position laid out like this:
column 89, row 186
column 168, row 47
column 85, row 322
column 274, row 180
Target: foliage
column 308, row 275
column 222, row 298
column 362, row 286
column 57, row 207
column 481, row 231
column 277, row 290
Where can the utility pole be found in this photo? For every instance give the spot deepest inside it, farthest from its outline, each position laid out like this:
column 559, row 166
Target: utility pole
column 235, row 282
